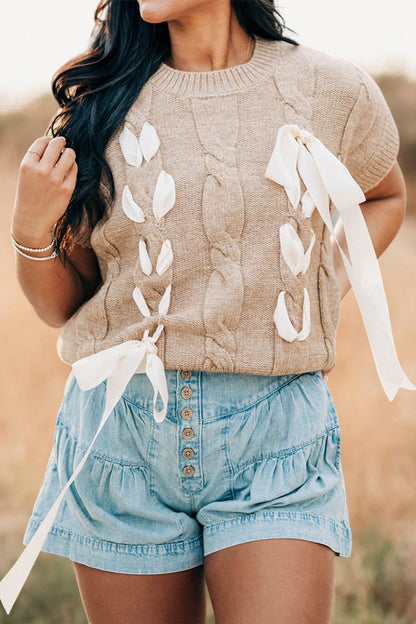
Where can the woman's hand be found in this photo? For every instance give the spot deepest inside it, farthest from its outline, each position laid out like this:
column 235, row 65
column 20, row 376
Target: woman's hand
column 45, row 187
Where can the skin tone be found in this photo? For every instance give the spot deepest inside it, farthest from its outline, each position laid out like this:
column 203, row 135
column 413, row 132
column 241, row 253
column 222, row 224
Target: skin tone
column 46, row 182
column 276, row 580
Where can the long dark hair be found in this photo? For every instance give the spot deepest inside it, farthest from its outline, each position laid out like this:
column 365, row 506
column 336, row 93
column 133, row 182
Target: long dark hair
column 96, row 89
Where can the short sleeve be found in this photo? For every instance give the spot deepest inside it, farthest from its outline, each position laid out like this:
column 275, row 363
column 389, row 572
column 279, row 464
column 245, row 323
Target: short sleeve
column 371, row 139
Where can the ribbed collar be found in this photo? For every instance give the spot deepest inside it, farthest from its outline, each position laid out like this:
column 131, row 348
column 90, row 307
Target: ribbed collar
column 220, row 81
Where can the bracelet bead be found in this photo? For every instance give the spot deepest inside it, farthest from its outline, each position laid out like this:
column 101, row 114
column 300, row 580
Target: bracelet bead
column 33, row 248
column 54, row 254
column 19, row 247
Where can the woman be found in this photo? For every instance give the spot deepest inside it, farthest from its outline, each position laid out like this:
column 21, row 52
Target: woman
column 199, row 306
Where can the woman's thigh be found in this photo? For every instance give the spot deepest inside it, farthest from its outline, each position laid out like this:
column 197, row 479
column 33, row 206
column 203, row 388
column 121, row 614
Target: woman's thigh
column 113, row 598
column 271, row 580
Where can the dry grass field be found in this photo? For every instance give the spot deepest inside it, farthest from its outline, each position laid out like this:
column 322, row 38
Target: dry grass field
column 378, row 583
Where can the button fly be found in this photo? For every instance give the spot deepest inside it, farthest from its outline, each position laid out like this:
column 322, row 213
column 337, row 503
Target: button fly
column 188, row 470
column 188, row 433
column 186, row 392
column 188, row 428
column 188, row 453
column 186, row 413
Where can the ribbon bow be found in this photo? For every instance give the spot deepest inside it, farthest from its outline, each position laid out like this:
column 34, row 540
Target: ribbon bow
column 117, row 364
column 299, row 152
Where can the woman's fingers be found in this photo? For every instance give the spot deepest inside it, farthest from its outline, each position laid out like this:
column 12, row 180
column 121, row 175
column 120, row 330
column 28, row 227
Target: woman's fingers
column 36, row 150
column 70, row 179
column 52, row 153
column 65, row 162
column 44, row 190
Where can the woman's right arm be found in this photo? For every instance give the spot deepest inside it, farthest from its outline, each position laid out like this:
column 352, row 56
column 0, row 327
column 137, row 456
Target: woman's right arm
column 45, row 187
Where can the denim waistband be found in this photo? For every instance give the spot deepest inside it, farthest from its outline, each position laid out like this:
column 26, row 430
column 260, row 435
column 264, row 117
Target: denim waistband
column 209, row 395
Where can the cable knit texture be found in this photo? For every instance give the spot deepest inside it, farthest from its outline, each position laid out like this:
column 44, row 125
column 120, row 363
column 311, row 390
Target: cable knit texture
column 219, row 236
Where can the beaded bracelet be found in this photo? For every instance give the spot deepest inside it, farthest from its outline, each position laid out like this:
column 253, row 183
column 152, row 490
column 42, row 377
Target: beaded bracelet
column 18, row 248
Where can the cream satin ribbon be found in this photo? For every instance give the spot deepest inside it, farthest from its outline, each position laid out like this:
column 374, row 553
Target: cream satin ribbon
column 117, row 364
column 298, row 151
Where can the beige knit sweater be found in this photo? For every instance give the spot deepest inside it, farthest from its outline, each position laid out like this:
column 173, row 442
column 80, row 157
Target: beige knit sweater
column 200, row 242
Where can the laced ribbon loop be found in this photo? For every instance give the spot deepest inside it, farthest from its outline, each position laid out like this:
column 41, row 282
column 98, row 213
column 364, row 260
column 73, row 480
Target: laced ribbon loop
column 298, row 152
column 117, row 364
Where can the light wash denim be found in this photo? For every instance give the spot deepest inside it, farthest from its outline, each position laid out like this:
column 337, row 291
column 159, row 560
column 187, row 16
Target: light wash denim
column 265, row 464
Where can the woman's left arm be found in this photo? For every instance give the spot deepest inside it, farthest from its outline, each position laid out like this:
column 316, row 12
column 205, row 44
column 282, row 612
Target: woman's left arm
column 383, row 211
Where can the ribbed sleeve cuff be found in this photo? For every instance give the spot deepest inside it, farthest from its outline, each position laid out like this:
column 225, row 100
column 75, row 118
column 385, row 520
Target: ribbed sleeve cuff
column 383, row 158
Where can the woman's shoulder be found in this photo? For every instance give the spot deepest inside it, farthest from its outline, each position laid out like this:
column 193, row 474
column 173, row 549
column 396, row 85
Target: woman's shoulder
column 333, row 75
column 334, row 82
column 320, row 60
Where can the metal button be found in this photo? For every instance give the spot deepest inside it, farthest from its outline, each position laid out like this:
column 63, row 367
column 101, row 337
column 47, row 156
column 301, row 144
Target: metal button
column 188, row 453
column 186, row 392
column 186, row 413
column 185, row 374
column 188, row 470
column 188, row 433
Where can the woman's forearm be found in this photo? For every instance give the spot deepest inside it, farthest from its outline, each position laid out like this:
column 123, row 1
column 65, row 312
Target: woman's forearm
column 54, row 291
column 383, row 217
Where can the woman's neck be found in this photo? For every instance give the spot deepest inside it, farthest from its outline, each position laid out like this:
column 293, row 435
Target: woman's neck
column 210, row 39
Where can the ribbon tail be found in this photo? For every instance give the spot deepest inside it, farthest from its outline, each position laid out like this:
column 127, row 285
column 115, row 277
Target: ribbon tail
column 156, row 374
column 390, row 372
column 320, row 171
column 373, row 306
column 13, row 581
column 364, row 259
column 119, row 379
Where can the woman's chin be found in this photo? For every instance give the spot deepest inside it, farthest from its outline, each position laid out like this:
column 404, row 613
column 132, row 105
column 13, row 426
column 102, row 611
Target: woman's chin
column 154, row 12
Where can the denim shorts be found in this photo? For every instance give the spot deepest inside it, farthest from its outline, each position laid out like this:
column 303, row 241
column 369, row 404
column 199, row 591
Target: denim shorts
column 239, row 457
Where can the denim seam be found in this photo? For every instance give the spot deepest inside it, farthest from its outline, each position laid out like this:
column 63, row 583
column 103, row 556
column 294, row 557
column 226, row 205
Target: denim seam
column 332, row 408
column 199, row 431
column 283, row 453
column 338, row 453
column 97, row 454
column 152, row 491
column 137, row 405
column 176, row 418
column 226, row 431
column 202, row 431
column 120, row 547
column 318, row 519
column 149, row 444
column 262, row 398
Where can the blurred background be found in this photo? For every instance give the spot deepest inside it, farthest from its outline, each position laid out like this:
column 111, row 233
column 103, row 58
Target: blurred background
column 378, row 583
